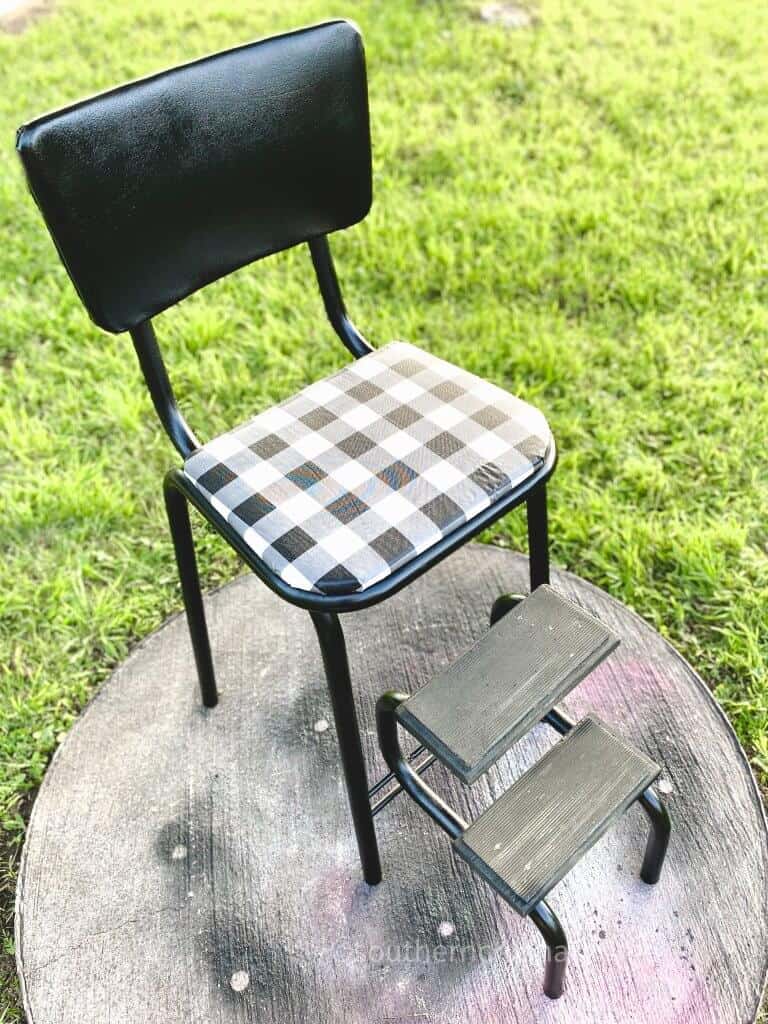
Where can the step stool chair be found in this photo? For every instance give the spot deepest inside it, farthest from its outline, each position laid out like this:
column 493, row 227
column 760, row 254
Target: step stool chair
column 351, row 489
column 537, row 650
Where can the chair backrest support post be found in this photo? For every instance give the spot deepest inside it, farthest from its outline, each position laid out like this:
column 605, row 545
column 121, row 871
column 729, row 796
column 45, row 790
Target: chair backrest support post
column 163, row 398
column 333, row 300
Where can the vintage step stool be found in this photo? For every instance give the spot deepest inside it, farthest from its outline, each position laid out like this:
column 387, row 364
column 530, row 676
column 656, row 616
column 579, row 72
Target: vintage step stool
column 538, row 649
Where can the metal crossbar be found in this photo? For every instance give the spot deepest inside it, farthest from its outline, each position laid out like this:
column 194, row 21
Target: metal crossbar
column 397, row 789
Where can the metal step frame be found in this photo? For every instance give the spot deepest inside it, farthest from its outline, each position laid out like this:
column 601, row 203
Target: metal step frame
column 389, row 714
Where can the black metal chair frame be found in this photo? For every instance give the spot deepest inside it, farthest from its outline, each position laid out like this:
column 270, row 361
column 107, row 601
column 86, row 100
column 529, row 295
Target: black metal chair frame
column 324, row 610
column 150, row 193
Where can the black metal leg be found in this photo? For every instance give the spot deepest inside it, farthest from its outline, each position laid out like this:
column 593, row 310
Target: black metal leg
column 503, row 604
column 559, row 721
column 538, row 537
column 548, row 924
column 401, row 768
column 538, row 553
column 658, row 840
column 181, row 532
column 334, row 651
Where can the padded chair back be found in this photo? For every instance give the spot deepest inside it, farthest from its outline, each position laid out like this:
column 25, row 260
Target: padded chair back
column 159, row 187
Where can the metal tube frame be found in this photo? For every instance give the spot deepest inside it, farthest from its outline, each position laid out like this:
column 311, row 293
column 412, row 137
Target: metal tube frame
column 331, row 638
column 397, row 789
column 538, row 552
column 183, row 543
column 503, row 604
column 161, row 391
column 553, row 933
column 179, row 492
column 542, row 915
column 538, row 536
column 333, row 300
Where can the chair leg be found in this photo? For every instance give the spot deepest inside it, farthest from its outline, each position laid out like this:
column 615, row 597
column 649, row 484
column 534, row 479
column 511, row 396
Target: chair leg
column 181, row 532
column 538, row 553
column 549, row 925
column 334, row 651
column 658, row 840
column 538, row 537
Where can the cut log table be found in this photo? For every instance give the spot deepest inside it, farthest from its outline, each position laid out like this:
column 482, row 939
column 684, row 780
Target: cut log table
column 185, row 865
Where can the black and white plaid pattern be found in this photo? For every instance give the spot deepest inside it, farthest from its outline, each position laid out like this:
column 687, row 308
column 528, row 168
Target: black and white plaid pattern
column 350, row 479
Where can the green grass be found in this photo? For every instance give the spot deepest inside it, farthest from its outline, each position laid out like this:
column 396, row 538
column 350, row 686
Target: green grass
column 578, row 212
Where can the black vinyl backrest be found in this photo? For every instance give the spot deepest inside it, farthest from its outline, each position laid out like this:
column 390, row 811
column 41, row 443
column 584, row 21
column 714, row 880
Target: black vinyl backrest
column 160, row 186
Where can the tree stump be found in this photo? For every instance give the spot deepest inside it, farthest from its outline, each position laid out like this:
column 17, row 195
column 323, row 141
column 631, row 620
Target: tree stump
column 198, row 867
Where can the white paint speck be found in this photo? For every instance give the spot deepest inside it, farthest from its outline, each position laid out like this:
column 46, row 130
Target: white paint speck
column 179, row 852
column 239, row 981
column 321, row 725
column 665, row 786
column 445, row 929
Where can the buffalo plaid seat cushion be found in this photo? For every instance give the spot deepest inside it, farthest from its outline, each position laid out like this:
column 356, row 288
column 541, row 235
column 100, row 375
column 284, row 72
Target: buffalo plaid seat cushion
column 344, row 483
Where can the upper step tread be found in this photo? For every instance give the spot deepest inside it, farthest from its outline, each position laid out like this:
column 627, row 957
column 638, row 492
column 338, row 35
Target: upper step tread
column 472, row 712
column 532, row 836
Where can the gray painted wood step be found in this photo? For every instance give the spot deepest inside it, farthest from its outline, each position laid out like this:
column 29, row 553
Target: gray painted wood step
column 473, row 712
column 533, row 835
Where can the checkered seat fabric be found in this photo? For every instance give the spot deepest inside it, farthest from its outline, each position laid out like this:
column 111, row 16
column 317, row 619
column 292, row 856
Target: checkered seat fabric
column 346, row 482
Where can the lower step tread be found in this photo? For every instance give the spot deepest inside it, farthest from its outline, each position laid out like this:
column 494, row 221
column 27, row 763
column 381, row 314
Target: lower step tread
column 533, row 835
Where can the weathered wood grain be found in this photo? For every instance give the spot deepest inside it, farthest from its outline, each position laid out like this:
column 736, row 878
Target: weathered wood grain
column 197, row 866
column 505, row 683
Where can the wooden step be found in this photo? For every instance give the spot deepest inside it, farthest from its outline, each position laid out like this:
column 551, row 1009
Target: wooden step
column 473, row 712
column 534, row 834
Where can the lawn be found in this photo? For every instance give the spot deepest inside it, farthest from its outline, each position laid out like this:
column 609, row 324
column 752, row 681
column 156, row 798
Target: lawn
column 577, row 211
